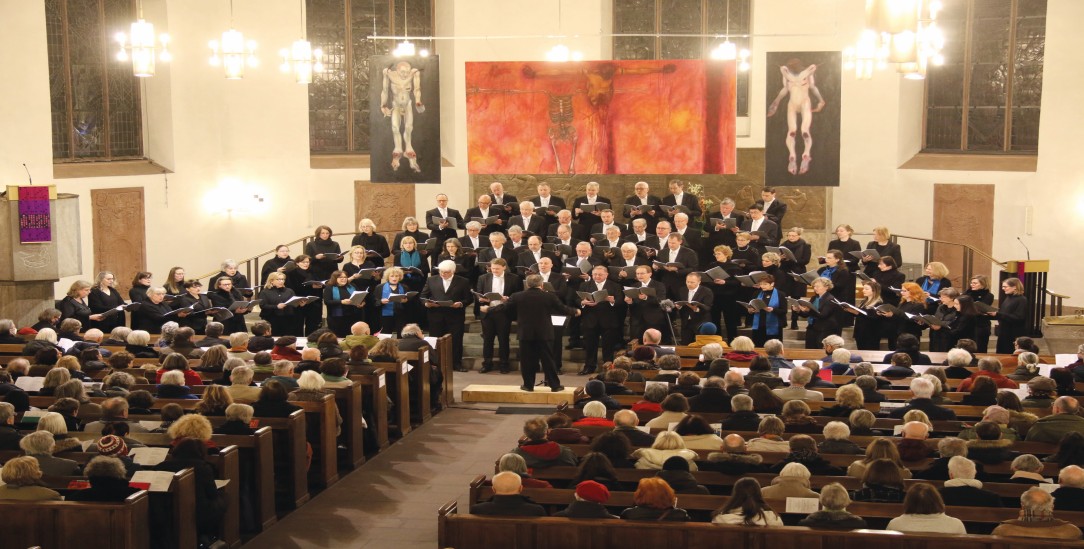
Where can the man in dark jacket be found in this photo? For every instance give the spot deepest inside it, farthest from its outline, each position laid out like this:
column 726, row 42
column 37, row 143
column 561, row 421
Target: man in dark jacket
column 947, row 448
column 596, row 390
column 922, row 391
column 734, row 458
column 989, row 447
column 507, row 500
column 590, row 502
column 538, row 451
column 9, row 437
column 963, row 489
column 1070, row 496
column 713, row 398
column 625, row 422
column 743, row 418
column 803, row 449
column 912, row 446
column 675, row 471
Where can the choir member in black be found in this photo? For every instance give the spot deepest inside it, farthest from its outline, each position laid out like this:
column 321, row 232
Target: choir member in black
column 363, row 277
column 835, row 269
column 963, row 325
column 802, row 252
column 415, row 271
column 673, row 276
column 694, row 238
column 889, row 276
column 693, row 304
column 644, row 206
column 341, row 311
column 727, row 291
column 773, row 208
column 600, row 322
column 1011, row 315
column 273, row 307
column 224, row 295
column 275, row 264
column 528, row 220
column 564, row 219
column 375, row 245
column 869, row 327
column 535, row 307
column 883, row 245
column 761, row 229
column 769, row 322
column 745, row 255
column 75, row 305
column 935, row 280
column 141, row 282
column 496, row 322
column 192, row 298
column 324, row 253
column 979, row 291
column 588, row 219
column 392, row 316
column 412, row 229
column 610, row 248
column 516, row 241
column 718, row 233
column 504, row 202
column 547, row 204
column 639, row 235
column 486, row 210
column 303, row 283
column 771, row 263
column 644, row 310
column 844, row 243
column 498, row 249
column 174, row 284
column 823, row 317
column 103, row 297
column 940, row 338
column 442, row 230
column 447, row 286
column 912, row 301
column 626, row 264
column 453, row 251
column 153, row 312
column 240, row 281
column 678, row 197
column 530, row 255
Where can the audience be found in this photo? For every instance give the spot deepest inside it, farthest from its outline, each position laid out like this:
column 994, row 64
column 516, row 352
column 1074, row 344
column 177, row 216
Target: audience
column 675, row 471
column 1037, row 519
column 734, row 458
column 1064, row 419
column 667, row 445
column 792, row 482
column 514, row 463
column 924, row 511
column 963, row 489
column 921, row 391
column 833, row 514
column 837, row 440
column 21, row 478
column 507, row 500
column 746, row 507
column 540, row 452
column 589, row 503
column 770, row 437
column 655, row 500
column 108, row 478
column 697, row 433
column 674, row 408
column 1070, row 494
column 625, row 422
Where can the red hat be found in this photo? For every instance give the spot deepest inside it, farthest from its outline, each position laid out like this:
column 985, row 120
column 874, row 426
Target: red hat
column 26, row 331
column 112, row 445
column 592, row 491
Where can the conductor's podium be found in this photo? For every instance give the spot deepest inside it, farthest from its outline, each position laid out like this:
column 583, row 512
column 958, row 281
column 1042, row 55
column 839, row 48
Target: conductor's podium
column 512, row 394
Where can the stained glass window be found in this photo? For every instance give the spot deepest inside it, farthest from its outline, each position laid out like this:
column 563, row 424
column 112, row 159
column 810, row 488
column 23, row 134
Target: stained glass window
column 986, row 97
column 339, row 96
column 676, row 29
column 94, row 99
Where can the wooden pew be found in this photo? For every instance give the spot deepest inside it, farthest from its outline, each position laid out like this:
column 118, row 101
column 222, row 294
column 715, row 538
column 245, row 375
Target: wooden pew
column 74, row 525
column 348, row 400
column 399, row 393
column 320, row 432
column 443, row 349
column 375, row 398
column 418, row 378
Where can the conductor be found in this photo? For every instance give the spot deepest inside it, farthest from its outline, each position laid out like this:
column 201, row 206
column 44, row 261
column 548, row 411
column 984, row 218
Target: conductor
column 535, row 332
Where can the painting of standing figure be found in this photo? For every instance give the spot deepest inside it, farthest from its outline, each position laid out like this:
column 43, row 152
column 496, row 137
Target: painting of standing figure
column 404, row 119
column 802, row 130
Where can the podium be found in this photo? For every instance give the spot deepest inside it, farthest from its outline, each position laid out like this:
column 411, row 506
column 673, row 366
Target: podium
column 1033, row 273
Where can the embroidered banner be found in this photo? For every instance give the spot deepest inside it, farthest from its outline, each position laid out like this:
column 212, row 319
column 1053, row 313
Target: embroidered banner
column 35, row 220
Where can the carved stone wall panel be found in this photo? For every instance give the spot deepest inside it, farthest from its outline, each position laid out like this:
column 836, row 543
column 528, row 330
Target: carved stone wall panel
column 120, row 239
column 807, row 206
column 964, row 214
column 386, row 204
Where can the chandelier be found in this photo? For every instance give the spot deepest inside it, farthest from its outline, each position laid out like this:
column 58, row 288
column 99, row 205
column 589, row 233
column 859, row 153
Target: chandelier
column 140, row 46
column 728, row 51
column 903, row 32
column 406, row 47
column 300, row 58
column 233, row 52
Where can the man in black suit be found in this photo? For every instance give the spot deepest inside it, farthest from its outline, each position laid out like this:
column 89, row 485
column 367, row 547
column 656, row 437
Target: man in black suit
column 644, row 310
column 564, row 238
column 544, row 201
column 639, row 233
column 625, row 422
column 678, row 197
column 623, row 266
column 527, row 220
column 442, row 231
column 498, row 249
column 486, row 210
column 564, row 219
column 587, row 219
column 719, row 234
column 763, row 231
column 602, row 321
column 693, row 238
column 644, row 205
column 607, row 222
column 675, row 252
column 507, row 501
column 692, row 315
column 496, row 322
column 533, row 252
column 504, row 202
column 534, row 308
column 773, row 209
column 555, row 283
column 448, row 319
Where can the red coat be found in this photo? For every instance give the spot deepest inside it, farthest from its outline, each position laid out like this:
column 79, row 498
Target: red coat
column 590, row 421
column 190, row 378
column 1001, row 381
column 645, row 406
column 285, row 353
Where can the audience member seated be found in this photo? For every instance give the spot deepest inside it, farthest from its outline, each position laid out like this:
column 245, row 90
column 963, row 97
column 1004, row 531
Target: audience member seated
column 958, row 361
column 908, row 345
column 334, row 373
column 688, row 384
column 866, row 369
column 792, row 482
column 54, row 423
column 742, row 417
column 239, row 346
column 837, row 440
column 283, row 371
column 882, row 483
column 868, row 385
column 848, row 399
column 171, row 385
column 669, row 368
column 653, row 397
column 996, row 415
column 1041, row 393
column 238, row 420
column 514, row 463
column 912, row 444
column 833, row 515
column 285, row 348
column 589, row 503
column 656, row 501
column 803, row 449
column 734, row 459
column 615, row 379
column 947, row 448
column 1037, row 519
column 697, row 433
column 625, row 422
column 713, row 398
column 733, row 381
column 272, row 401
column 310, row 388
column 774, row 349
column 797, row 419
column 210, row 504
column 900, row 367
column 216, row 398
column 760, row 371
column 1027, row 469
column 989, row 367
column 139, row 345
column 1070, row 451
column 921, row 391
column 770, row 436
column 983, row 393
column 261, row 339
column 117, row 384
column 21, row 478
column 108, row 481
column 114, row 446
column 746, row 507
column 595, row 466
column 594, row 414
column 764, row 400
column 962, row 489
column 40, row 446
column 878, row 449
column 596, row 392
column 540, row 452
column 241, row 388
column 1070, row 495
column 667, row 445
column 54, row 378
column 562, row 431
column 45, row 339
column 708, row 354
column 213, row 336
column 799, row 378
column 989, row 448
column 862, row 422
column 674, row 408
column 359, row 335
column 1063, row 420
column 113, row 410
column 817, row 382
column 924, row 511
column 841, row 362
column 742, row 350
column 675, row 471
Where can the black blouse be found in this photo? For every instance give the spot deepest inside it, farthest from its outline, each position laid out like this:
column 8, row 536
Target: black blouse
column 322, row 268
column 373, row 242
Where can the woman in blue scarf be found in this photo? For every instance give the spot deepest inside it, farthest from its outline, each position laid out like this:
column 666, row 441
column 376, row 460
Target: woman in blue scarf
column 769, row 322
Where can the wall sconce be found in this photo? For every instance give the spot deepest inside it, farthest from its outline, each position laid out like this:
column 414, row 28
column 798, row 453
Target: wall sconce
column 233, row 197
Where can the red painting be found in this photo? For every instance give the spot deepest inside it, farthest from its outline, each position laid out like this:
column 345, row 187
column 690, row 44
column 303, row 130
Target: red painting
column 601, row 117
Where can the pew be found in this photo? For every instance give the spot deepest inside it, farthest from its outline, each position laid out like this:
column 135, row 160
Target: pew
column 443, row 350
column 375, row 400
column 348, row 400
column 71, row 525
column 418, row 377
column 320, row 432
column 398, row 391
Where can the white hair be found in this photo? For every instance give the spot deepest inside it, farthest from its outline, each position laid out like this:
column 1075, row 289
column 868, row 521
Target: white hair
column 841, row 355
column 173, row 377
column 961, row 467
column 921, row 387
column 836, row 430
column 795, row 469
column 594, row 409
column 800, row 376
column 958, row 357
column 47, row 334
column 446, row 266
column 310, row 380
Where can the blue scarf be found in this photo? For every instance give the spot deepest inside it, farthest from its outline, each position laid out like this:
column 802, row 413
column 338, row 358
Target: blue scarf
column 817, row 305
column 388, row 309
column 410, row 259
column 772, row 299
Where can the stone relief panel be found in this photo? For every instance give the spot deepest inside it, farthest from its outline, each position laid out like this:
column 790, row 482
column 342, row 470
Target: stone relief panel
column 385, row 204
column 119, row 234
column 963, row 214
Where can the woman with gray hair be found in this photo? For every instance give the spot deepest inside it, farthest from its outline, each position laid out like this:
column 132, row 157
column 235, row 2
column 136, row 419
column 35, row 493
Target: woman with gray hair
column 54, row 423
column 514, row 463
column 833, row 514
column 310, row 388
column 22, row 481
column 39, row 445
column 108, row 481
column 792, row 482
column 837, row 440
column 1027, row 469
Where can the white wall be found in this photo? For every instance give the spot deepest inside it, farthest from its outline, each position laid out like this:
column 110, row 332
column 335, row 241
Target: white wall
column 206, row 129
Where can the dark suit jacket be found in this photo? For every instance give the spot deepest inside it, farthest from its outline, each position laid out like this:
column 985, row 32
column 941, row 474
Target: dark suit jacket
column 724, row 236
column 506, row 201
column 554, row 201
column 646, row 312
column 676, row 280
column 702, row 295
column 434, row 229
column 537, row 224
column 526, row 258
column 579, row 232
column 507, row 254
column 653, row 203
column 588, row 219
column 597, row 228
column 694, row 240
column 539, row 305
column 459, row 290
column 602, row 315
column 465, row 242
column 776, row 211
column 687, row 200
column 515, row 505
column 493, row 211
column 512, row 284
column 768, row 227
